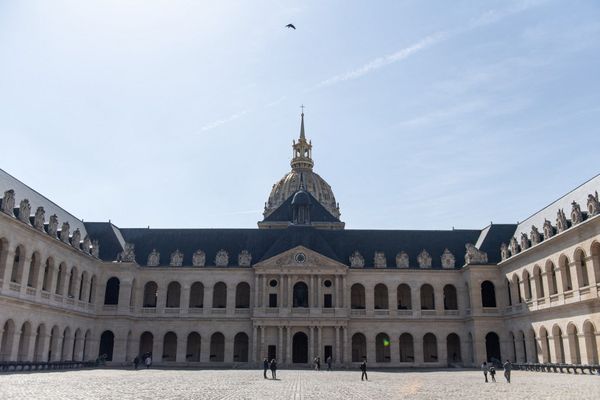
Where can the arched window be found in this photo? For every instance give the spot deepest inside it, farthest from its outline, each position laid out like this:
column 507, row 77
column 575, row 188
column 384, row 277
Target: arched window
column 18, row 261
column 539, row 286
column 217, row 347
column 565, row 272
column 60, row 278
column 34, row 270
column 146, row 344
column 7, row 340
column 591, row 344
column 48, row 270
column 430, row 353
column 357, row 297
column 404, row 297
column 169, row 347
column 427, row 297
column 150, row 293
column 197, row 295
column 559, row 348
column 450, row 298
column 23, row 349
column 220, row 295
column 488, row 294
column 173, row 295
column 194, row 344
column 551, row 277
column 407, row 352
column 595, row 251
column 517, row 286
column 453, row 348
column 240, row 348
column 381, row 297
column 508, row 289
column 300, row 295
column 111, row 294
column 581, row 267
column 242, row 295
column 382, row 348
column 492, row 347
column 527, row 285
column 92, row 289
column 359, row 347
column 107, row 342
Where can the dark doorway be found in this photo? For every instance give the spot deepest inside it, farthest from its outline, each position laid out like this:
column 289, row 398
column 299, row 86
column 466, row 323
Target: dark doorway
column 300, row 348
column 327, row 302
column 107, row 341
column 492, row 347
column 272, row 300
column 272, row 352
column 111, row 294
column 300, row 295
column 328, row 353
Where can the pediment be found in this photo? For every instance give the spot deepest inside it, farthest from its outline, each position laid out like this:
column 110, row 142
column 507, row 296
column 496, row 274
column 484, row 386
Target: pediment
column 300, row 257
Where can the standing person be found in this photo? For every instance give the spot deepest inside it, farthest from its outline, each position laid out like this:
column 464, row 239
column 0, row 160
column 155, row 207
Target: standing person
column 363, row 368
column 274, row 368
column 136, row 362
column 484, row 368
column 318, row 363
column 328, row 363
column 148, row 361
column 507, row 369
column 265, row 367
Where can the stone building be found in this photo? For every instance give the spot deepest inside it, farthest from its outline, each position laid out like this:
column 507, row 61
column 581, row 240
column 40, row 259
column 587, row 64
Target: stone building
column 300, row 285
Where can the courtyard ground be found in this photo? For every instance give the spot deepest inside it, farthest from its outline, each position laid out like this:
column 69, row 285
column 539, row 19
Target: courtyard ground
column 292, row 384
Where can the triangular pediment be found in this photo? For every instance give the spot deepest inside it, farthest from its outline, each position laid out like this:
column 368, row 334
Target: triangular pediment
column 300, row 257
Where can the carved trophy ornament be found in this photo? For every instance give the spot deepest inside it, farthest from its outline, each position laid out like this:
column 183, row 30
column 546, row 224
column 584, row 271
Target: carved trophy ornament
column 474, row 255
column 524, row 241
column 576, row 214
column 379, row 260
column 153, row 259
column 356, row 260
column 548, row 230
column 536, row 236
column 24, row 211
column 424, row 259
column 402, row 260
column 198, row 259
column 87, row 244
column 593, row 205
column 8, row 202
column 76, row 239
column 176, row 259
column 53, row 225
column 561, row 221
column 222, row 258
column 39, row 219
column 64, row 232
column 244, row 258
column 514, row 246
column 128, row 253
column 95, row 249
column 504, row 253
column 448, row 259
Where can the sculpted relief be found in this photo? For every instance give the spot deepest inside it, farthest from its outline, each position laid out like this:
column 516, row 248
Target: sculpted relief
column 356, row 260
column 475, row 256
column 198, row 259
column 24, row 211
column 548, row 230
column 39, row 219
column 448, row 259
column 379, row 260
column 176, row 259
column 153, row 259
column 244, row 258
column 8, row 202
column 128, row 253
column 424, row 259
column 222, row 258
column 402, row 260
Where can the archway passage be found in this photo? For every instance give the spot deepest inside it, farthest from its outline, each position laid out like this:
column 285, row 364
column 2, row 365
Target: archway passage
column 107, row 341
column 492, row 347
column 300, row 348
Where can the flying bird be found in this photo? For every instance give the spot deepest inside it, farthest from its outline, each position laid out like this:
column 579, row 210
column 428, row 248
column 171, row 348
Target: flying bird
column 290, row 26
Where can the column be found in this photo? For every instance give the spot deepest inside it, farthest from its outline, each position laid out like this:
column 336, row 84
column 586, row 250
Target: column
column 280, row 344
column 228, row 349
column 370, row 348
column 311, row 343
column 208, row 299
column 346, row 292
column 392, row 300
column 263, row 350
column 184, row 303
column 347, row 347
column 10, row 256
column 290, row 294
column 320, row 342
column 394, row 350
column 205, row 349
column 442, row 346
column 124, row 295
column 56, row 348
column 45, row 347
column 157, row 348
column 319, row 301
column 520, row 356
column 26, row 265
column 255, row 298
column 230, row 298
column 288, row 353
column 280, row 290
column 418, row 348
column 574, row 277
column 337, row 360
column 180, row 356
column 119, row 346
column 415, row 299
column 338, row 290
column 31, row 346
column 254, row 350
column 438, row 295
column 265, row 291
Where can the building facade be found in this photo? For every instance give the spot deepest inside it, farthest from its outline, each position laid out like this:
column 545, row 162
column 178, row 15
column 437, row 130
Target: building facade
column 299, row 286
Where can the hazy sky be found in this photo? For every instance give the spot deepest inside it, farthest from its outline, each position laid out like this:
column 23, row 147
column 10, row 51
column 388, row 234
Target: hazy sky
column 422, row 115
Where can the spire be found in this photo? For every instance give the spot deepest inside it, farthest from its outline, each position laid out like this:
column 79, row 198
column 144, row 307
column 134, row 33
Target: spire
column 302, row 124
column 302, row 150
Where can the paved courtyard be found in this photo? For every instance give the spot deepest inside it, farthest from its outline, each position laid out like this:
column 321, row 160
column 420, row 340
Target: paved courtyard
column 292, row 384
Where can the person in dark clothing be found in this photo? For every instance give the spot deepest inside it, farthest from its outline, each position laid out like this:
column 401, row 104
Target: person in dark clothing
column 136, row 362
column 274, row 368
column 328, row 363
column 318, row 363
column 507, row 369
column 265, row 367
column 363, row 368
column 485, row 369
column 493, row 373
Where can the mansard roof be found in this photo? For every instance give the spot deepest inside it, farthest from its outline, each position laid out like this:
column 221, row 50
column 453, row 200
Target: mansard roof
column 318, row 213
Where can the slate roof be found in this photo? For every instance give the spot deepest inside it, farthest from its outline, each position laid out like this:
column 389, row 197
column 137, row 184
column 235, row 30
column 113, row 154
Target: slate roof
column 284, row 212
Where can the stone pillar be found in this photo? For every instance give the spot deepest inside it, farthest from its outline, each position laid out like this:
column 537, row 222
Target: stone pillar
column 230, row 296
column 320, row 342
column 418, row 349
column 265, row 292
column 263, row 348
column 56, row 348
column 392, row 301
column 124, row 295
column 370, row 348
column 26, row 266
column 157, row 348
column 120, row 347
column 465, row 350
column 205, row 349
column 337, row 355
column 442, row 346
column 520, row 356
column 228, row 348
column 479, row 351
column 574, row 276
column 415, row 299
column 255, row 295
column 280, row 292
column 288, row 353
column 369, row 300
column 394, row 351
column 44, row 348
column 254, row 350
column 280, row 344
column 438, row 295
column 345, row 293
column 9, row 262
column 347, row 347
column 311, row 343
column 544, row 278
column 31, row 346
column 208, row 299
column 13, row 352
column 184, row 304
column 180, row 355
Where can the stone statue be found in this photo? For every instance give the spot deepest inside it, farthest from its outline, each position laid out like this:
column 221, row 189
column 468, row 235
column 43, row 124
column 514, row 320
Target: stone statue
column 524, row 241
column 379, row 260
column 504, row 254
column 356, row 260
column 198, row 259
column 39, row 219
column 514, row 246
column 128, row 253
column 87, row 244
column 24, row 211
column 424, row 259
column 402, row 260
column 561, row 221
column 244, row 259
column 576, row 214
column 64, row 232
column 548, row 230
column 76, row 239
column 222, row 258
column 474, row 255
column 448, row 259
column 593, row 205
column 95, row 249
column 176, row 259
column 153, row 259
column 53, row 226
column 536, row 237
column 8, row 202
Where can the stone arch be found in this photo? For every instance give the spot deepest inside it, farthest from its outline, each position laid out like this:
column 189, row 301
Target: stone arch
column 240, row 347
column 404, row 297
column 18, row 264
column 453, row 348
column 492, row 347
column 551, row 278
column 359, row 347
column 34, row 270
column 146, row 344
column 197, row 295
column 173, row 295
column 513, row 346
column 357, row 296
column 194, row 345
column 150, row 294
column 382, row 348
column 450, row 298
column 60, row 278
column 300, row 348
column 8, row 338
column 111, row 293
column 430, row 351
column 107, row 343
column 242, row 295
column 83, row 285
column 300, row 295
column 591, row 343
column 48, row 272
column 488, row 294
column 427, row 297
column 38, row 345
column 92, row 292
column 54, row 350
column 559, row 348
column 595, row 253
column 24, row 339
column 539, row 285
column 219, row 296
column 527, row 285
column 407, row 348
column 545, row 345
column 169, row 347
column 65, row 345
column 217, row 347
column 77, row 343
column 517, row 287
column 573, row 339
column 380, row 294
column 508, row 290
column 565, row 272
column 583, row 277
column 72, row 283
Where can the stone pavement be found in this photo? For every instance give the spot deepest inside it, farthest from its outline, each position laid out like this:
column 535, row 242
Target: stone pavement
column 292, row 384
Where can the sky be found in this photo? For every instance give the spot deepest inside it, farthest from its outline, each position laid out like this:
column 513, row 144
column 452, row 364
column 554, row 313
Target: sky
column 181, row 114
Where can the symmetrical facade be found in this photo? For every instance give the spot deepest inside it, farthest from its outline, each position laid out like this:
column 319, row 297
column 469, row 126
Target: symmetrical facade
column 299, row 286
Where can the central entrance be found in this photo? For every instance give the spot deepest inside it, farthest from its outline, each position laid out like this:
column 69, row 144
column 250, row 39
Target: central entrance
column 300, row 348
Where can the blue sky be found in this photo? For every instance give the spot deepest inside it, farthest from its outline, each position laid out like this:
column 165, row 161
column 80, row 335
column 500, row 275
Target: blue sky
column 422, row 115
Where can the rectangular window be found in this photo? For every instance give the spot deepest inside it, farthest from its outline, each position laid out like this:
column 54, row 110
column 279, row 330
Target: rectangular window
column 272, row 299
column 327, row 301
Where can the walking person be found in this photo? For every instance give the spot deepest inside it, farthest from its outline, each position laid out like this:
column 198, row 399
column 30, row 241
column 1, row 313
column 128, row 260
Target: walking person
column 485, row 369
column 328, row 363
column 265, row 367
column 363, row 368
column 274, row 369
column 318, row 363
column 136, row 362
column 493, row 373
column 507, row 368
